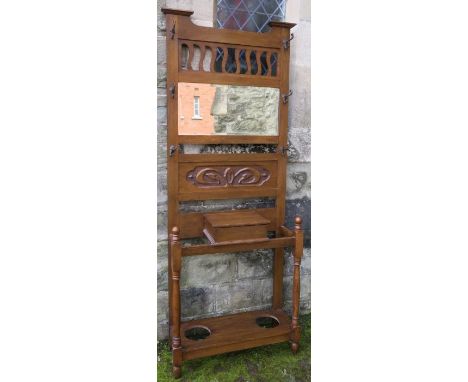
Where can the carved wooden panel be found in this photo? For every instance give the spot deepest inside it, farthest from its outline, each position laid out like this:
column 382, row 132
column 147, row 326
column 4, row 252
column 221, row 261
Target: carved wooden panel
column 228, row 176
column 211, row 180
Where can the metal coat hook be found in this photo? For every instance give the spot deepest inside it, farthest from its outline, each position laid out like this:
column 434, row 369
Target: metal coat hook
column 173, row 31
column 286, row 43
column 283, row 149
column 174, row 148
column 172, row 90
column 286, row 96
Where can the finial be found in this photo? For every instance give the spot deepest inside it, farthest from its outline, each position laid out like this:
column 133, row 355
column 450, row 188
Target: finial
column 175, row 233
column 298, row 222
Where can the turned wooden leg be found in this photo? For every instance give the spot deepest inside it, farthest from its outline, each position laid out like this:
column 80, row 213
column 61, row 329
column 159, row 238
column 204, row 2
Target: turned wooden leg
column 169, row 284
column 176, row 262
column 278, row 279
column 298, row 249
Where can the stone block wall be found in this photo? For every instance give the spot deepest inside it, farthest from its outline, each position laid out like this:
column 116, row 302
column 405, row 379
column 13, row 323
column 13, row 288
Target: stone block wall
column 230, row 283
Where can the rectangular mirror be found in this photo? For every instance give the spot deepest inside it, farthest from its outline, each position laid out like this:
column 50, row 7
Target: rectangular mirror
column 211, row 109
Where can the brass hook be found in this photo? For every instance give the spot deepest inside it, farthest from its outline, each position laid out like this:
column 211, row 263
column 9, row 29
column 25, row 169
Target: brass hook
column 172, row 90
column 173, row 31
column 283, row 149
column 286, row 43
column 286, row 96
column 174, row 148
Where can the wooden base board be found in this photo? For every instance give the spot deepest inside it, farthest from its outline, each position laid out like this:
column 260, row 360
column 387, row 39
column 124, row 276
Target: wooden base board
column 234, row 332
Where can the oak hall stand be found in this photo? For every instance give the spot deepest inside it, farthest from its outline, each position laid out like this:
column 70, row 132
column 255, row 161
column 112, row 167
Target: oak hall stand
column 193, row 177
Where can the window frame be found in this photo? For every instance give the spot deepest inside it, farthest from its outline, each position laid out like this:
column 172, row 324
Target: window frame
column 196, row 108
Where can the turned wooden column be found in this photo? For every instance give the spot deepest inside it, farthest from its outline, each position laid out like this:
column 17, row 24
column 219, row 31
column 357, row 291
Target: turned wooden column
column 298, row 249
column 176, row 262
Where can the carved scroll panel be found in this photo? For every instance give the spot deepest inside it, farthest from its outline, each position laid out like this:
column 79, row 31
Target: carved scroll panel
column 227, row 177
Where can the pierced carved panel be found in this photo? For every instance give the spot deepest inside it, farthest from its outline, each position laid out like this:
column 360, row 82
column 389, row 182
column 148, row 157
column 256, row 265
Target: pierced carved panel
column 223, row 58
column 228, row 176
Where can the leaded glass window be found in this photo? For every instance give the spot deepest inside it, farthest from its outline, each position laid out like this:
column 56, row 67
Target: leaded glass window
column 249, row 15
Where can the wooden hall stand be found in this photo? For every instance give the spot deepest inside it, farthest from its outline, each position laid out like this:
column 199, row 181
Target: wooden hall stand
column 194, row 177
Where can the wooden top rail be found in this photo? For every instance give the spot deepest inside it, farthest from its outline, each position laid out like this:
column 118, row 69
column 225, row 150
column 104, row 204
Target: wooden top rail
column 187, row 30
column 180, row 12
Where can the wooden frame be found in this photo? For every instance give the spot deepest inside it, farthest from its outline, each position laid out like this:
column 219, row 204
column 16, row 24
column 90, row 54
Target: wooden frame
column 268, row 171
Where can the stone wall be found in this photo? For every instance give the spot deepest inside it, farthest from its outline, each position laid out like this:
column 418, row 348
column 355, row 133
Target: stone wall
column 229, row 283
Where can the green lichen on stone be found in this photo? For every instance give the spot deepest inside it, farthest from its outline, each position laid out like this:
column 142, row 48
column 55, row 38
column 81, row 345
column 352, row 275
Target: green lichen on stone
column 264, row 364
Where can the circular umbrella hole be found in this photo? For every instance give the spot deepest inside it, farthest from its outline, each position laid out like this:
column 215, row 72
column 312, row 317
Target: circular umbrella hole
column 267, row 322
column 197, row 333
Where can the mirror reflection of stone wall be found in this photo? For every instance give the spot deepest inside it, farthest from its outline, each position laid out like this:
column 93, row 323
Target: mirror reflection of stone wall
column 210, row 109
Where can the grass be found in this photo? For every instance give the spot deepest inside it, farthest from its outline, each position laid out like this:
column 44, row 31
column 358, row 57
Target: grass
column 264, row 364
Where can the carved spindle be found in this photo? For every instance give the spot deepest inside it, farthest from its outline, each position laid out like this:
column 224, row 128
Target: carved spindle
column 274, row 57
column 248, row 52
column 213, row 58
column 238, row 62
column 225, row 56
column 299, row 242
column 176, row 262
column 278, row 64
column 268, row 63
column 258, row 59
column 190, row 56
column 202, row 58
column 181, row 56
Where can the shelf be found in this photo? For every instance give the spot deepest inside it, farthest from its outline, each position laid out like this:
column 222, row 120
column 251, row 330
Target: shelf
column 222, row 227
column 234, row 332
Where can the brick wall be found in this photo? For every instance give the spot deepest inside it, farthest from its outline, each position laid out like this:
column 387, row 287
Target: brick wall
column 229, row 283
column 187, row 124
